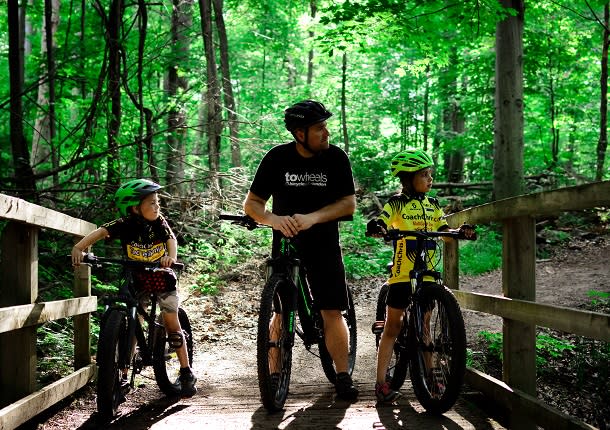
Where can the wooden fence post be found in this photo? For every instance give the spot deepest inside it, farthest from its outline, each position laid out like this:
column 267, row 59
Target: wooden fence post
column 82, row 323
column 19, row 286
column 519, row 282
column 451, row 265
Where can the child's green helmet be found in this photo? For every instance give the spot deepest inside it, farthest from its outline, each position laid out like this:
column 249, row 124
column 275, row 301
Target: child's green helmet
column 410, row 160
column 132, row 192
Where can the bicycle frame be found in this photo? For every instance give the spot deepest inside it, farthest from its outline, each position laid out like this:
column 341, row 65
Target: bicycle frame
column 125, row 301
column 288, row 266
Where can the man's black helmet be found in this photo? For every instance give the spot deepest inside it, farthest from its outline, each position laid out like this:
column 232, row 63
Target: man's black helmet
column 305, row 113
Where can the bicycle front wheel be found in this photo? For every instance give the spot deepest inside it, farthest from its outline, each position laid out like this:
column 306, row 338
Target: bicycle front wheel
column 349, row 316
column 438, row 343
column 274, row 344
column 111, row 347
column 166, row 364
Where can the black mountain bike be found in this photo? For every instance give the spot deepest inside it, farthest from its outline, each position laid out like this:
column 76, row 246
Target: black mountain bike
column 432, row 341
column 287, row 308
column 126, row 323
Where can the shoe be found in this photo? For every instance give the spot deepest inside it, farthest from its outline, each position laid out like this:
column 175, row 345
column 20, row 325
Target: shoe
column 187, row 383
column 385, row 394
column 345, row 387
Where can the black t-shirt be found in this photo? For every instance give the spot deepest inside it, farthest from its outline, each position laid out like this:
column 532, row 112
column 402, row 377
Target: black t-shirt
column 304, row 185
column 141, row 240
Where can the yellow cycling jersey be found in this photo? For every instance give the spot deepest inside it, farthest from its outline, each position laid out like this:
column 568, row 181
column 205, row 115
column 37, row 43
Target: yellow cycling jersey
column 410, row 213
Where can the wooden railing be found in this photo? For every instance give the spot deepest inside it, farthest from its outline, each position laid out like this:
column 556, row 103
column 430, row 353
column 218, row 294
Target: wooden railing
column 520, row 313
column 21, row 312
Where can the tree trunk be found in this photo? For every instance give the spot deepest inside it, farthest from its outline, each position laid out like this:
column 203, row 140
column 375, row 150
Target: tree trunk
column 115, row 18
column 44, row 125
column 343, row 103
column 602, row 144
column 508, row 135
column 227, row 85
column 314, row 9
column 213, row 123
column 24, row 179
column 177, row 86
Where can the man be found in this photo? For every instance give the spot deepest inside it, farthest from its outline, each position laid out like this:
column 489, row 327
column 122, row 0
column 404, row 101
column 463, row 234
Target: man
column 312, row 187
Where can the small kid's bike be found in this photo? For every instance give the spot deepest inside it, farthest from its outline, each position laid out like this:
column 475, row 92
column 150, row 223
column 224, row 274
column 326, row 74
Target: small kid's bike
column 129, row 322
column 287, row 308
column 432, row 341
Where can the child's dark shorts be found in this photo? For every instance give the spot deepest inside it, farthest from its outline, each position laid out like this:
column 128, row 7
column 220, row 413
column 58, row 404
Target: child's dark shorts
column 399, row 294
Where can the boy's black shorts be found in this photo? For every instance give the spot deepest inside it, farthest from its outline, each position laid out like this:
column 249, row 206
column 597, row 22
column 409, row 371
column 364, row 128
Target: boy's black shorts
column 399, row 294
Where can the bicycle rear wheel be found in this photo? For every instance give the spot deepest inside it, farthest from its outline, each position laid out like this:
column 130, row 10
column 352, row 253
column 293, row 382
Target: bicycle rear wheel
column 399, row 361
column 112, row 346
column 439, row 352
column 166, row 364
column 349, row 315
column 274, row 344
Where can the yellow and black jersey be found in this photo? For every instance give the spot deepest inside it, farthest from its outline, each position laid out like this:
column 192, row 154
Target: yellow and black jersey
column 410, row 213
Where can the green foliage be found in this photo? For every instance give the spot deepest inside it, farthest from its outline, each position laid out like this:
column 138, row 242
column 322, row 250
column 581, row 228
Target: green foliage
column 363, row 256
column 482, row 255
column 547, row 347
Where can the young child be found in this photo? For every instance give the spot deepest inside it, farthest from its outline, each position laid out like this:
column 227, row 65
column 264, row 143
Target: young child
column 145, row 235
column 412, row 209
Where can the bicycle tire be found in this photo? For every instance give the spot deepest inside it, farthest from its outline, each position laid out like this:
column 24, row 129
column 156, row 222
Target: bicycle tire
column 166, row 364
column 274, row 348
column 446, row 352
column 349, row 316
column 112, row 344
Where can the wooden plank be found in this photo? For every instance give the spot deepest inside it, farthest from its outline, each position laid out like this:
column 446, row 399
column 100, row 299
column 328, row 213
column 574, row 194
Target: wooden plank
column 536, row 205
column 16, row 209
column 513, row 399
column 22, row 410
column 594, row 325
column 16, row 317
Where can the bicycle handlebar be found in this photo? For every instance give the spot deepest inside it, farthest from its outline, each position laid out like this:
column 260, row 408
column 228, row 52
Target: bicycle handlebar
column 250, row 224
column 243, row 220
column 395, row 234
column 90, row 258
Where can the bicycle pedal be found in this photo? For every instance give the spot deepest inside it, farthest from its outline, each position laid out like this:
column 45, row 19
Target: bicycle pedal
column 377, row 327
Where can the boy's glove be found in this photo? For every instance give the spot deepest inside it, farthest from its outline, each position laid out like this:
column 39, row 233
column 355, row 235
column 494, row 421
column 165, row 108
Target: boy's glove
column 467, row 231
column 374, row 229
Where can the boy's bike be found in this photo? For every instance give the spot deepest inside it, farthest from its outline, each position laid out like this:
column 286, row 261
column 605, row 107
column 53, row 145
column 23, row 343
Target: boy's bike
column 129, row 322
column 287, row 308
column 432, row 341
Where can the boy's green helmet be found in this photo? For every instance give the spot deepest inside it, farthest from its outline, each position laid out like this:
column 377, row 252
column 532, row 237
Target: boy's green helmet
column 132, row 192
column 410, row 160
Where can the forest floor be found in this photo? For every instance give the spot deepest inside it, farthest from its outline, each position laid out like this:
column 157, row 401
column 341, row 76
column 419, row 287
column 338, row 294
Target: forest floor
column 224, row 328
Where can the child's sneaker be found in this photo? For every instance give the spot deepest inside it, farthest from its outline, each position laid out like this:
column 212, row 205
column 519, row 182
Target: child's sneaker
column 345, row 387
column 385, row 394
column 187, row 382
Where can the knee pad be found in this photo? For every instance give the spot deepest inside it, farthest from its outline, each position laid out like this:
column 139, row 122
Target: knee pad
column 175, row 340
